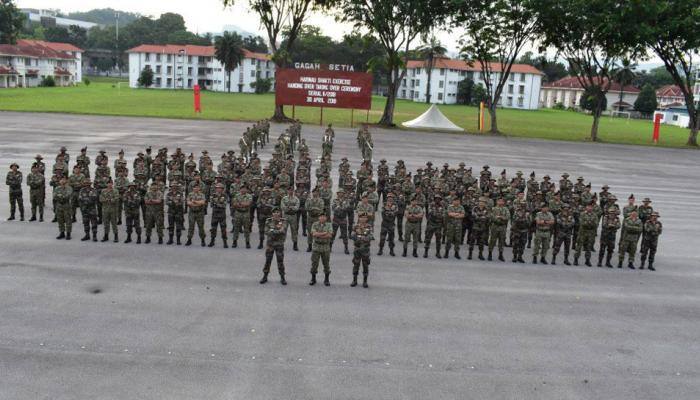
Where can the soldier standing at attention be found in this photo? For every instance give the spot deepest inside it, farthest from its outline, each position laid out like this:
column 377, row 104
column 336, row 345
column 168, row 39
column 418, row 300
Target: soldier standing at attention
column 499, row 217
column 37, row 192
column 61, row 198
column 562, row 234
column 480, row 229
column 109, row 197
column 196, row 202
column 631, row 230
column 650, row 238
column 626, row 211
column 132, row 206
column 414, row 220
column 544, row 222
column 340, row 208
column 87, row 199
column 290, row 207
column 588, row 225
column 83, row 161
column 265, row 205
column 314, row 208
column 610, row 226
column 388, row 226
column 520, row 228
column 240, row 207
column 76, row 183
column 436, row 220
column 218, row 214
column 14, row 181
column 455, row 213
column 362, row 237
column 276, row 232
column 176, row 212
column 322, row 233
column 154, row 201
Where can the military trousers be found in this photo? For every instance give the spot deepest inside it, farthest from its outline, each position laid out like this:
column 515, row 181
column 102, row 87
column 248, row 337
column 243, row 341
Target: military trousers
column 218, row 220
column 133, row 220
column 241, row 223
column 64, row 217
column 360, row 256
column 585, row 242
column 542, row 243
column 628, row 246
column 433, row 229
column 195, row 219
column 109, row 218
column 325, row 257
column 274, row 250
column 293, row 225
column 497, row 237
column 411, row 234
column 176, row 220
column 16, row 202
column 89, row 217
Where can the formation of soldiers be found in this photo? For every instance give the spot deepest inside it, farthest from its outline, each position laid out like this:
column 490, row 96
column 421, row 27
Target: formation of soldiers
column 457, row 208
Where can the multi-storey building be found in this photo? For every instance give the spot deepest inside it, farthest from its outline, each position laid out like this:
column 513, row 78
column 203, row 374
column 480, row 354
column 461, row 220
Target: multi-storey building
column 568, row 91
column 27, row 62
column 182, row 67
column 521, row 91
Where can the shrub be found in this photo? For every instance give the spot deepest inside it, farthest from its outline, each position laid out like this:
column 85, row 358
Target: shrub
column 86, row 81
column 262, row 85
column 47, row 81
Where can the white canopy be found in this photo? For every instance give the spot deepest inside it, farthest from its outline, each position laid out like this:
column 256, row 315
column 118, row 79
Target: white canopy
column 432, row 119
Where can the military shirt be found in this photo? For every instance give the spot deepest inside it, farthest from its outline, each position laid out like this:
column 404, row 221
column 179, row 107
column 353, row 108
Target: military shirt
column 454, row 209
column 632, row 228
column 14, row 181
column 62, row 194
column 193, row 196
column 314, row 206
column 322, row 244
column 544, row 217
column 414, row 214
column 289, row 205
column 109, row 197
column 500, row 216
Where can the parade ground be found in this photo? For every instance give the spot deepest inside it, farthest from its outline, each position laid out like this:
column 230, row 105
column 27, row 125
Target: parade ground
column 84, row 320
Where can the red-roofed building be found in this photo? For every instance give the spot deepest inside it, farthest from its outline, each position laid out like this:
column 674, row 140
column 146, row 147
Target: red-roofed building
column 568, row 91
column 183, row 66
column 521, row 91
column 670, row 95
column 27, row 62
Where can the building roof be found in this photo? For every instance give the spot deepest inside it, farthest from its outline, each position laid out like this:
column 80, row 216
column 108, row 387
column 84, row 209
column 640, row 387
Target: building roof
column 463, row 65
column 39, row 49
column 669, row 91
column 5, row 70
column 571, row 82
column 190, row 50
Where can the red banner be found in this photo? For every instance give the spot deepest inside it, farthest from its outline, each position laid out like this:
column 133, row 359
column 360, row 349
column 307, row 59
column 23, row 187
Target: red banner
column 323, row 88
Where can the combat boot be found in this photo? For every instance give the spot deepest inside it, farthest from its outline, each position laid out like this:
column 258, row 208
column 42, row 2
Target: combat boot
column 630, row 265
column 425, row 252
column 247, row 244
column 138, row 238
column 515, row 258
column 86, row 237
column 105, row 237
column 33, row 218
column 391, row 252
column 308, row 249
column 534, row 259
column 346, row 248
column 225, row 243
column 116, row 237
column 313, row 280
column 354, row 280
column 588, row 261
column 554, row 259
column 204, row 243
column 471, row 251
column 211, row 241
column 264, row 278
column 520, row 259
column 619, row 264
column 490, row 257
column 381, row 249
column 12, row 217
column 326, row 280
column 500, row 256
column 642, row 263
column 260, row 246
column 188, row 242
column 295, row 247
column 566, row 259
column 543, row 260
column 415, row 253
column 481, row 255
column 128, row 238
column 41, row 217
column 282, row 280
column 160, row 239
column 364, row 281
column 575, row 260
column 447, row 252
column 651, row 266
column 178, row 239
column 68, row 238
column 234, row 244
column 457, row 256
column 437, row 250
column 405, row 252
column 148, row 239
column 170, row 239
column 55, row 219
column 94, row 235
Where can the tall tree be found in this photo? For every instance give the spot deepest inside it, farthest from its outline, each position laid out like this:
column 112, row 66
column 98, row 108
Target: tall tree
column 429, row 51
column 396, row 24
column 278, row 16
column 255, row 44
column 592, row 35
column 11, row 21
column 646, row 101
column 671, row 29
column 495, row 33
column 624, row 74
column 228, row 49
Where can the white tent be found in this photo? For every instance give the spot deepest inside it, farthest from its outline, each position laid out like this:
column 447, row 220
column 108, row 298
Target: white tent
column 432, row 119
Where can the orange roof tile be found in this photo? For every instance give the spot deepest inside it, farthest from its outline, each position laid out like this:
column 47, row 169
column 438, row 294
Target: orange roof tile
column 190, row 50
column 463, row 65
column 571, row 82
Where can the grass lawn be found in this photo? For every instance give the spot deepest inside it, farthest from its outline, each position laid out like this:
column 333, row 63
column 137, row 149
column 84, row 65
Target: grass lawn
column 105, row 97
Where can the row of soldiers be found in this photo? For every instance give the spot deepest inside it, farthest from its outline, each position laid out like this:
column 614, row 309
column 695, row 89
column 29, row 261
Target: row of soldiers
column 256, row 136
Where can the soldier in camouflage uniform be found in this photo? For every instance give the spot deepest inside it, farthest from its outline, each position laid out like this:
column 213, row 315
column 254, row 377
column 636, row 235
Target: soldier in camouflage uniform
column 76, row 183
column 388, row 226
column 650, row 238
column 520, row 226
column 218, row 203
column 109, row 198
column 563, row 232
column 631, row 230
column 362, row 237
column 240, row 208
column 480, row 229
column 609, row 227
column 588, row 225
column 154, row 217
column 314, row 208
column 414, row 220
column 87, row 201
column 62, row 195
column 196, row 202
column 455, row 213
column 121, row 183
column 434, row 225
column 322, row 233
column 14, row 181
column 132, row 211
column 340, row 208
column 276, row 233
column 266, row 203
column 499, row 217
column 290, row 206
column 175, row 199
column 544, row 220
column 37, row 192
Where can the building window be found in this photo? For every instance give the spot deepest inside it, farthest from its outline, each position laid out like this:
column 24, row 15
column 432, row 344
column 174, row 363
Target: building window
column 521, row 101
column 442, row 71
column 157, row 57
column 418, row 71
column 417, row 82
column 252, row 61
column 403, row 93
column 252, row 73
column 439, row 96
column 170, row 70
column 512, row 77
column 169, row 82
column 441, row 84
column 148, row 56
column 509, row 102
column 522, row 77
column 189, row 59
column 510, row 89
column 403, row 83
column 170, row 58
column 521, row 90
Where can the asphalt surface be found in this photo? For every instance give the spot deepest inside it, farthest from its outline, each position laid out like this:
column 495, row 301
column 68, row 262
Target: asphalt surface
column 114, row 321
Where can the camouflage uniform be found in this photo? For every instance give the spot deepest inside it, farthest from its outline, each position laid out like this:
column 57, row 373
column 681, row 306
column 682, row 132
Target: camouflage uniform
column 588, row 225
column 87, row 199
column 650, row 240
column 314, row 207
column 609, row 227
column 480, row 229
column 499, row 218
column 632, row 229
column 519, row 228
column 321, row 249
column 290, row 206
column 340, row 209
column 175, row 199
column 388, row 227
column 564, row 229
column 276, row 233
column 240, row 208
column 545, row 223
column 414, row 220
column 37, row 194
column 266, row 203
column 362, row 237
column 454, row 229
column 218, row 203
column 14, row 181
column 109, row 198
column 154, row 215
column 434, row 225
column 132, row 212
column 196, row 216
column 61, row 197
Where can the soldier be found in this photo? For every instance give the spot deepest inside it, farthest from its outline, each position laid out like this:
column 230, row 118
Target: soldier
column 603, row 196
column 435, row 223
column 14, row 181
column 175, row 199
column 520, row 226
column 388, row 226
column 588, row 225
column 499, row 217
column 154, row 217
column 366, row 209
column 132, row 204
column 41, row 167
column 62, row 195
column 480, row 229
column 563, row 231
column 240, row 208
column 362, row 237
column 37, row 192
column 340, row 207
column 650, row 238
column 276, row 233
column 626, row 211
column 610, row 226
column 109, row 198
column 455, row 213
column 83, row 162
column 218, row 214
column 322, row 233
column 290, row 206
column 266, row 203
column 87, row 199
column 64, row 155
column 644, row 210
column 314, row 208
column 414, row 220
column 631, row 230
column 544, row 221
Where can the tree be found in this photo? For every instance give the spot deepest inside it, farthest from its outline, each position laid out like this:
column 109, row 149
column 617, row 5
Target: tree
column 495, row 33
column 312, row 46
column 624, row 75
column 255, row 44
column 465, row 89
column 592, row 100
column 146, row 77
column 262, row 85
column 104, row 16
column 646, row 101
column 57, row 34
column 105, row 64
column 228, row 49
column 396, row 24
column 656, row 77
column 479, row 95
column 552, row 69
column 431, row 49
column 592, row 35
column 11, row 22
column 669, row 28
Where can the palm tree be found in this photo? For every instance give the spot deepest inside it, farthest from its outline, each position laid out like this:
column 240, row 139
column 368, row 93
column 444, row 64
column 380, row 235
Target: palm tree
column 228, row 49
column 431, row 49
column 624, row 75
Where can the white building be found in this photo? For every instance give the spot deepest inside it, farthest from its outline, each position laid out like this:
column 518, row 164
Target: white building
column 49, row 18
column 521, row 91
column 669, row 95
column 26, row 63
column 568, row 91
column 677, row 116
column 182, row 67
